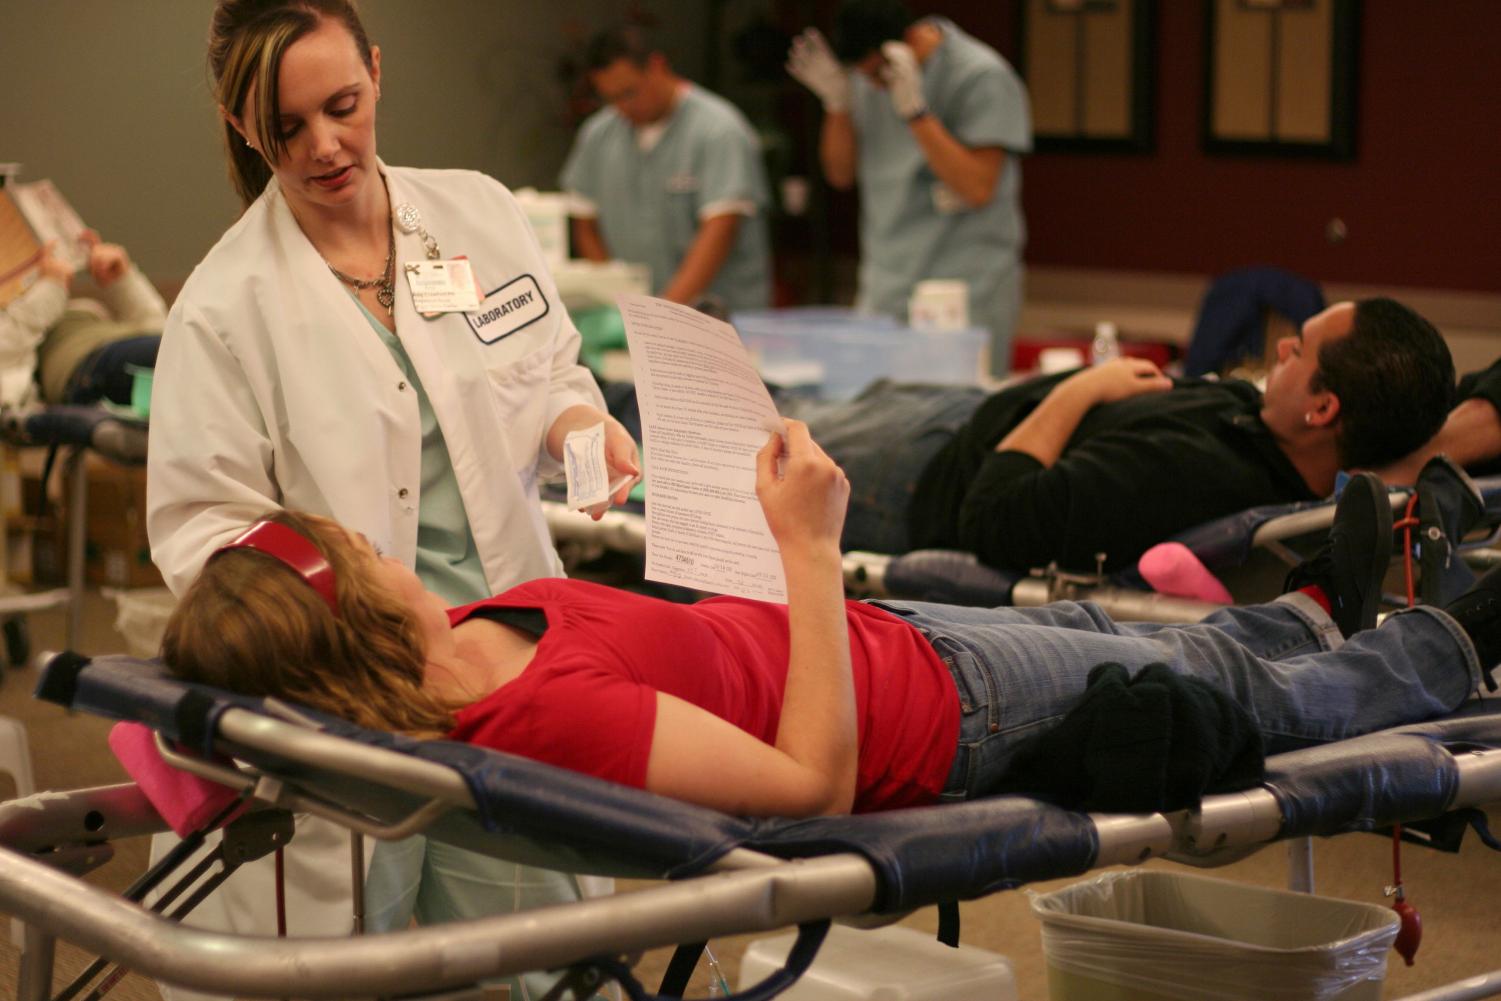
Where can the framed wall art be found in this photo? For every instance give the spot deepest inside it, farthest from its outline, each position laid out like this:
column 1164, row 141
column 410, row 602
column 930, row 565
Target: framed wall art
column 1280, row 77
column 1090, row 71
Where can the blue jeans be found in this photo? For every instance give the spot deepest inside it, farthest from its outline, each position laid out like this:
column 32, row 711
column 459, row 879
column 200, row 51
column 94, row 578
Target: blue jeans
column 884, row 439
column 102, row 375
column 1019, row 670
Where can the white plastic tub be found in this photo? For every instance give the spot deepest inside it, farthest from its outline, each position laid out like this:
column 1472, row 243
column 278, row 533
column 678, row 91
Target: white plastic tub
column 885, row 964
column 141, row 616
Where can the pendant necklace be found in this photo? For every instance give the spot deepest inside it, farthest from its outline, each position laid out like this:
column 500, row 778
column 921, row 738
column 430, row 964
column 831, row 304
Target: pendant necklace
column 385, row 284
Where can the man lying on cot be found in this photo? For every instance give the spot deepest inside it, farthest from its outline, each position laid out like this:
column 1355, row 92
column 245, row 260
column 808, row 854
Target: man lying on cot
column 822, row 705
column 1117, row 458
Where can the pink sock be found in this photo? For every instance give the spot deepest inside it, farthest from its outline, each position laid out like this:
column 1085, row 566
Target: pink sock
column 1172, row 568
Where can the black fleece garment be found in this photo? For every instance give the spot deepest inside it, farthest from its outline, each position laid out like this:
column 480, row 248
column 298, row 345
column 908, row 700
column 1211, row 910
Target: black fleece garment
column 1158, row 741
column 1134, row 473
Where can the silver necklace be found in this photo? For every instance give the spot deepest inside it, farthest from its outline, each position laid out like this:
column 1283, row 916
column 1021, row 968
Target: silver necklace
column 385, row 284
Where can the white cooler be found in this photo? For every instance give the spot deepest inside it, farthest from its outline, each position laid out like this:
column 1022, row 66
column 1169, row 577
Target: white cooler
column 886, row 964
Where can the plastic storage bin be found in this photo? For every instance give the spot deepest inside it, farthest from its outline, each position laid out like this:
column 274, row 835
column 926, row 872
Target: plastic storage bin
column 886, row 964
column 547, row 211
column 141, row 617
column 844, row 351
column 1164, row 936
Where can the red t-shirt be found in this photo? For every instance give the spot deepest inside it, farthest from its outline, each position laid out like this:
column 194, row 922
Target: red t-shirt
column 587, row 701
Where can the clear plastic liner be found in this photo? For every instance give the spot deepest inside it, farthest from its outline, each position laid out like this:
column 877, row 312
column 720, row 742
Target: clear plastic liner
column 1161, row 935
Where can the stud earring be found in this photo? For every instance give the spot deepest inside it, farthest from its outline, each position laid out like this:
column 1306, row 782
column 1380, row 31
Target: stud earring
column 1308, row 418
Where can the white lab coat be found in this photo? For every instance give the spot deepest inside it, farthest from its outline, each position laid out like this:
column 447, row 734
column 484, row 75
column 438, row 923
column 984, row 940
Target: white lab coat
column 272, row 390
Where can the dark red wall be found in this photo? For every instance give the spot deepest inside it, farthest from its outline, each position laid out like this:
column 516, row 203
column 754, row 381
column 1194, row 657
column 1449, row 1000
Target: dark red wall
column 1419, row 199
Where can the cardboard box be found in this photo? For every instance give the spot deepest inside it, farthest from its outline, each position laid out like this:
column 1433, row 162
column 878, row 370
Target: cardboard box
column 116, row 550
column 33, row 550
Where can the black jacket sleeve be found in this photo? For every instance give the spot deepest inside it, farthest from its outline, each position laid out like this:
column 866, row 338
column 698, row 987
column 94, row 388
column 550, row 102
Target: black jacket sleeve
column 1485, row 384
column 1118, row 493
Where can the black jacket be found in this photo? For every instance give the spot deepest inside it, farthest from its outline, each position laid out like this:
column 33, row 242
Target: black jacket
column 1134, row 473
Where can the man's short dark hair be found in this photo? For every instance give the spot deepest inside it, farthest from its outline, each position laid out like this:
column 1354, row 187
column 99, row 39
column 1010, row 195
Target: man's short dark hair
column 864, row 25
column 622, row 41
column 1395, row 381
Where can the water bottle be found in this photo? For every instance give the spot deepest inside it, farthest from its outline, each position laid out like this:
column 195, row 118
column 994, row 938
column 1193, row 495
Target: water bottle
column 1106, row 345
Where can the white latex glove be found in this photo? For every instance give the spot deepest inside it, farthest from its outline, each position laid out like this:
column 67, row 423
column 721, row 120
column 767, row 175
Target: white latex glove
column 811, row 62
column 903, row 77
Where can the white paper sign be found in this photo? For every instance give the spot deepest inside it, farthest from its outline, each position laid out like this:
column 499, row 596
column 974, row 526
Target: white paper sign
column 53, row 220
column 704, row 415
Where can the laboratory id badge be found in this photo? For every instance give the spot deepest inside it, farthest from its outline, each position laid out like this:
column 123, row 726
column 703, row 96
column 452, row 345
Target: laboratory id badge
column 442, row 286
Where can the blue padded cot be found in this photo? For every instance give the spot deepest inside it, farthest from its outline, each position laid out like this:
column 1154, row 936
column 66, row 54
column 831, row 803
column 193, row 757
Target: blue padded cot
column 729, row 874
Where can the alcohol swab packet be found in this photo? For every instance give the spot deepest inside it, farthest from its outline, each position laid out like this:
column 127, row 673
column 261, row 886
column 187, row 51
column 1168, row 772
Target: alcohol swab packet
column 589, row 483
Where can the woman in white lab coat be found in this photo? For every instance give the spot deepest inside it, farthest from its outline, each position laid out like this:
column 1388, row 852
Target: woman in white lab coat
column 296, row 369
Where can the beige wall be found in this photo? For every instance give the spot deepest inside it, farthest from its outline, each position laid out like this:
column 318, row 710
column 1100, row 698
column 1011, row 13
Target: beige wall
column 111, row 100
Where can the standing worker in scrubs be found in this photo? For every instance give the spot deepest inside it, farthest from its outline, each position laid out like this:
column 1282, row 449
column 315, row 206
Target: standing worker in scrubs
column 931, row 127
column 669, row 175
column 300, row 368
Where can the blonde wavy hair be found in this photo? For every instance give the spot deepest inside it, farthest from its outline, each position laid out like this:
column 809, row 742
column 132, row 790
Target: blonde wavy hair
column 251, row 624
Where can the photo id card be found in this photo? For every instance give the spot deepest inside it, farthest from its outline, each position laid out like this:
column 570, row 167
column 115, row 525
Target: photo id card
column 442, row 286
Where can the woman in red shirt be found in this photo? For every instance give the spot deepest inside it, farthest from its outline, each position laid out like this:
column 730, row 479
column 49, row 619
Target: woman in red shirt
column 819, row 706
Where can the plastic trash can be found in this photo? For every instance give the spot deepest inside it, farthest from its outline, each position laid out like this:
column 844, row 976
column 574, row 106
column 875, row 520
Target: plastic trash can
column 885, row 964
column 1164, row 936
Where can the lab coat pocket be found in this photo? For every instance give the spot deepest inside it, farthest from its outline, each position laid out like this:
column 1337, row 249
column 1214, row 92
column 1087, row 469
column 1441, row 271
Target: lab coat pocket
column 520, row 388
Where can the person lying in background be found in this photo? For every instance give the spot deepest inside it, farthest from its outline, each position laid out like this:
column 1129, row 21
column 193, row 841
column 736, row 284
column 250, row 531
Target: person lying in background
column 825, row 705
column 1119, row 457
column 57, row 349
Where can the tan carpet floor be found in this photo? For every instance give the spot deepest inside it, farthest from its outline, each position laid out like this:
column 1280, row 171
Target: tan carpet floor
column 1459, row 896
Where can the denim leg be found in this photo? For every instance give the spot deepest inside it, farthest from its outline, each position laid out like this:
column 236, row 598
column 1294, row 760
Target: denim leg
column 1274, row 659
column 103, row 374
column 883, row 440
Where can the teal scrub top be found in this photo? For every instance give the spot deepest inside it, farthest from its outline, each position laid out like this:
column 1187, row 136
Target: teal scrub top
column 649, row 202
column 912, row 227
column 448, row 562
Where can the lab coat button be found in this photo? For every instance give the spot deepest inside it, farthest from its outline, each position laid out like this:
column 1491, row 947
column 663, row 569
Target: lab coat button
column 401, row 386
column 402, row 493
